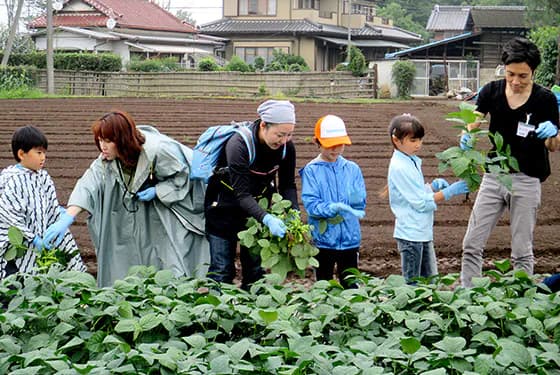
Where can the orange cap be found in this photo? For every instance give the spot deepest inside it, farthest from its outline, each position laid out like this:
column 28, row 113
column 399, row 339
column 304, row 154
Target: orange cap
column 330, row 131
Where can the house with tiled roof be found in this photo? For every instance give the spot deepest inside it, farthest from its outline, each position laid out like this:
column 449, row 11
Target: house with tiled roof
column 467, row 46
column 130, row 28
column 318, row 31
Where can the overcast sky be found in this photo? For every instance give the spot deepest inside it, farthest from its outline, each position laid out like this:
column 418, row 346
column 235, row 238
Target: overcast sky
column 203, row 11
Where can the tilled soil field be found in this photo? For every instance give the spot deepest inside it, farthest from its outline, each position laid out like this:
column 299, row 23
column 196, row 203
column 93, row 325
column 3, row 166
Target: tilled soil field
column 67, row 122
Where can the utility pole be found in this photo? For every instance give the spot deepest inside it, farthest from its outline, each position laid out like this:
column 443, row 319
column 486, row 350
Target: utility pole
column 349, row 31
column 12, row 35
column 50, row 57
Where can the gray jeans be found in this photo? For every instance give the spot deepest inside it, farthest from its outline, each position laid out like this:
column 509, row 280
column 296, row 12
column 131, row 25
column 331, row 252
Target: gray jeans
column 492, row 199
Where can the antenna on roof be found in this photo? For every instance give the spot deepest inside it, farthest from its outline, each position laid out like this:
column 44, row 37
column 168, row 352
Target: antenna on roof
column 111, row 23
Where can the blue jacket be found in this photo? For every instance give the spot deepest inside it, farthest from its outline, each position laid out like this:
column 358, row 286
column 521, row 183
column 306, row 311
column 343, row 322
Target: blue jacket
column 324, row 183
column 411, row 199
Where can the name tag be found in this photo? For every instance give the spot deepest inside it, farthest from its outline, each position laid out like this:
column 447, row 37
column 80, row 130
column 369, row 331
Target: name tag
column 523, row 129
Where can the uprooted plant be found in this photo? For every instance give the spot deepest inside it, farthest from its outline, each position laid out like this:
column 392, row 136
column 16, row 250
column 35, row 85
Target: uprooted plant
column 45, row 257
column 471, row 163
column 294, row 252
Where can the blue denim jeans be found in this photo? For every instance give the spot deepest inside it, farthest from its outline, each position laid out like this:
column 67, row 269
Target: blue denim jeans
column 222, row 262
column 417, row 259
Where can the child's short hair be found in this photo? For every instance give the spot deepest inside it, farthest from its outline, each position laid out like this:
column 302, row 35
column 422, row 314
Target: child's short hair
column 26, row 138
column 404, row 125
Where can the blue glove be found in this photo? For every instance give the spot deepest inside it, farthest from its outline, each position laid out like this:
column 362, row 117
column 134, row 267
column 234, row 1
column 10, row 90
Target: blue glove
column 337, row 207
column 356, row 196
column 546, row 130
column 57, row 230
column 38, row 243
column 466, row 142
column 438, row 184
column 147, row 195
column 275, row 225
column 456, row 188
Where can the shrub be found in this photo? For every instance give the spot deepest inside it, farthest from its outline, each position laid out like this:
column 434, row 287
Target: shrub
column 385, row 92
column 237, row 65
column 546, row 38
column 357, row 62
column 283, row 62
column 16, row 77
column 259, row 63
column 167, row 64
column 208, row 64
column 403, row 75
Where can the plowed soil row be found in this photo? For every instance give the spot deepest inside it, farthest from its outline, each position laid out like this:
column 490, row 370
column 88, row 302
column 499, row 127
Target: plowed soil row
column 71, row 149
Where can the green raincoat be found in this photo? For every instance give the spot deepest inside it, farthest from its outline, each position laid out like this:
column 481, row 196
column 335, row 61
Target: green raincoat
column 167, row 232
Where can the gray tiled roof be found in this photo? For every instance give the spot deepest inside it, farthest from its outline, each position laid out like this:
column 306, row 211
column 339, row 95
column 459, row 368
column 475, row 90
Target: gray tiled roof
column 499, row 17
column 448, row 18
column 456, row 17
column 227, row 27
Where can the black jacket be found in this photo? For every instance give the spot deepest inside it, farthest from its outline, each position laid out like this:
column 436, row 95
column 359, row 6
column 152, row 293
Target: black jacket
column 234, row 189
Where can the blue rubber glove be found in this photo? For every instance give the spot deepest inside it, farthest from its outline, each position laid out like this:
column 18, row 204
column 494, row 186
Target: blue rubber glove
column 38, row 243
column 358, row 213
column 546, row 130
column 356, row 196
column 456, row 188
column 275, row 225
column 438, row 184
column 466, row 142
column 57, row 230
column 147, row 195
column 339, row 207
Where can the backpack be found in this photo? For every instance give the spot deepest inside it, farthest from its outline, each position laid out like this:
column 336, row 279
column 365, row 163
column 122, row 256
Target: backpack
column 210, row 144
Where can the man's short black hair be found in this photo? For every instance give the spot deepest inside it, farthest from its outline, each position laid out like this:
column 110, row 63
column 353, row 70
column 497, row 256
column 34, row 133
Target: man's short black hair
column 521, row 50
column 26, row 138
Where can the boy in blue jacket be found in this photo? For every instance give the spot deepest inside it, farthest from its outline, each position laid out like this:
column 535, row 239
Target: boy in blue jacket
column 333, row 190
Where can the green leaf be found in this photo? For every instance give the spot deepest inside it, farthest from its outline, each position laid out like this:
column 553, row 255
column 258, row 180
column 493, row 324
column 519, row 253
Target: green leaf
column 503, row 266
column 268, row 316
column 451, row 345
column 410, row 345
column 125, row 325
column 149, row 321
column 75, row 341
column 513, row 352
column 15, row 236
column 10, row 254
column 163, row 277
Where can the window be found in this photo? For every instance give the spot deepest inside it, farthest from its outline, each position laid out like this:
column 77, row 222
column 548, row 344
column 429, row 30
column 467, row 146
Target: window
column 257, row 7
column 248, row 54
column 307, row 4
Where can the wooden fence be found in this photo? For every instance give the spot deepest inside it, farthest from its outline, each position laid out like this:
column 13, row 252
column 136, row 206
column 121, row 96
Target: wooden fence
column 178, row 84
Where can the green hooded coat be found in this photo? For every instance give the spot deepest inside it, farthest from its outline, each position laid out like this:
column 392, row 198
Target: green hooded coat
column 166, row 232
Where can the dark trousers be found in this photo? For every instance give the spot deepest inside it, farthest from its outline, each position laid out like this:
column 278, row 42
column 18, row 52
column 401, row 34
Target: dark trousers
column 343, row 259
column 222, row 262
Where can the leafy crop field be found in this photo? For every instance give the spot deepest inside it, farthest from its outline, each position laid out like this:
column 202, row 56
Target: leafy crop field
column 152, row 323
column 67, row 124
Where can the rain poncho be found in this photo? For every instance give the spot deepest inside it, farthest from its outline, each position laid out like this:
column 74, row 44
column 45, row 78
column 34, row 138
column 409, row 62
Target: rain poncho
column 28, row 202
column 166, row 232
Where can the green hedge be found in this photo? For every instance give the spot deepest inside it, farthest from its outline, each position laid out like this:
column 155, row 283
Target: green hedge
column 102, row 62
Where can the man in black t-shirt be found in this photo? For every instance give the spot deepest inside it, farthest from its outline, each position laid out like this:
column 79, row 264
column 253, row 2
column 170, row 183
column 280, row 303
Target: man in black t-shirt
column 526, row 116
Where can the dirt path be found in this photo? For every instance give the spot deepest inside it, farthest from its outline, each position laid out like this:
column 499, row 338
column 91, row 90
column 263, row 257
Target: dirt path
column 67, row 125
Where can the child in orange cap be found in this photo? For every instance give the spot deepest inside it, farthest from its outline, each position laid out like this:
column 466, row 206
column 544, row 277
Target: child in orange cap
column 333, row 192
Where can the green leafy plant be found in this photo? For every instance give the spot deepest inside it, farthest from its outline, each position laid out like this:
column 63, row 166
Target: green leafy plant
column 294, row 252
column 403, row 76
column 16, row 248
column 470, row 165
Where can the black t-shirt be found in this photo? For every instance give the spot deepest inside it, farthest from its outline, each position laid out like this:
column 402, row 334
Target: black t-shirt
column 530, row 152
column 233, row 191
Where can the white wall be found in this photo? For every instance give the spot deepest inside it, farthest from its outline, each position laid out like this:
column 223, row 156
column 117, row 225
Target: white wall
column 384, row 74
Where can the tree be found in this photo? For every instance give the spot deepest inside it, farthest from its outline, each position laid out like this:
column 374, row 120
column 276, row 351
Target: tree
column 403, row 19
column 12, row 35
column 185, row 15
